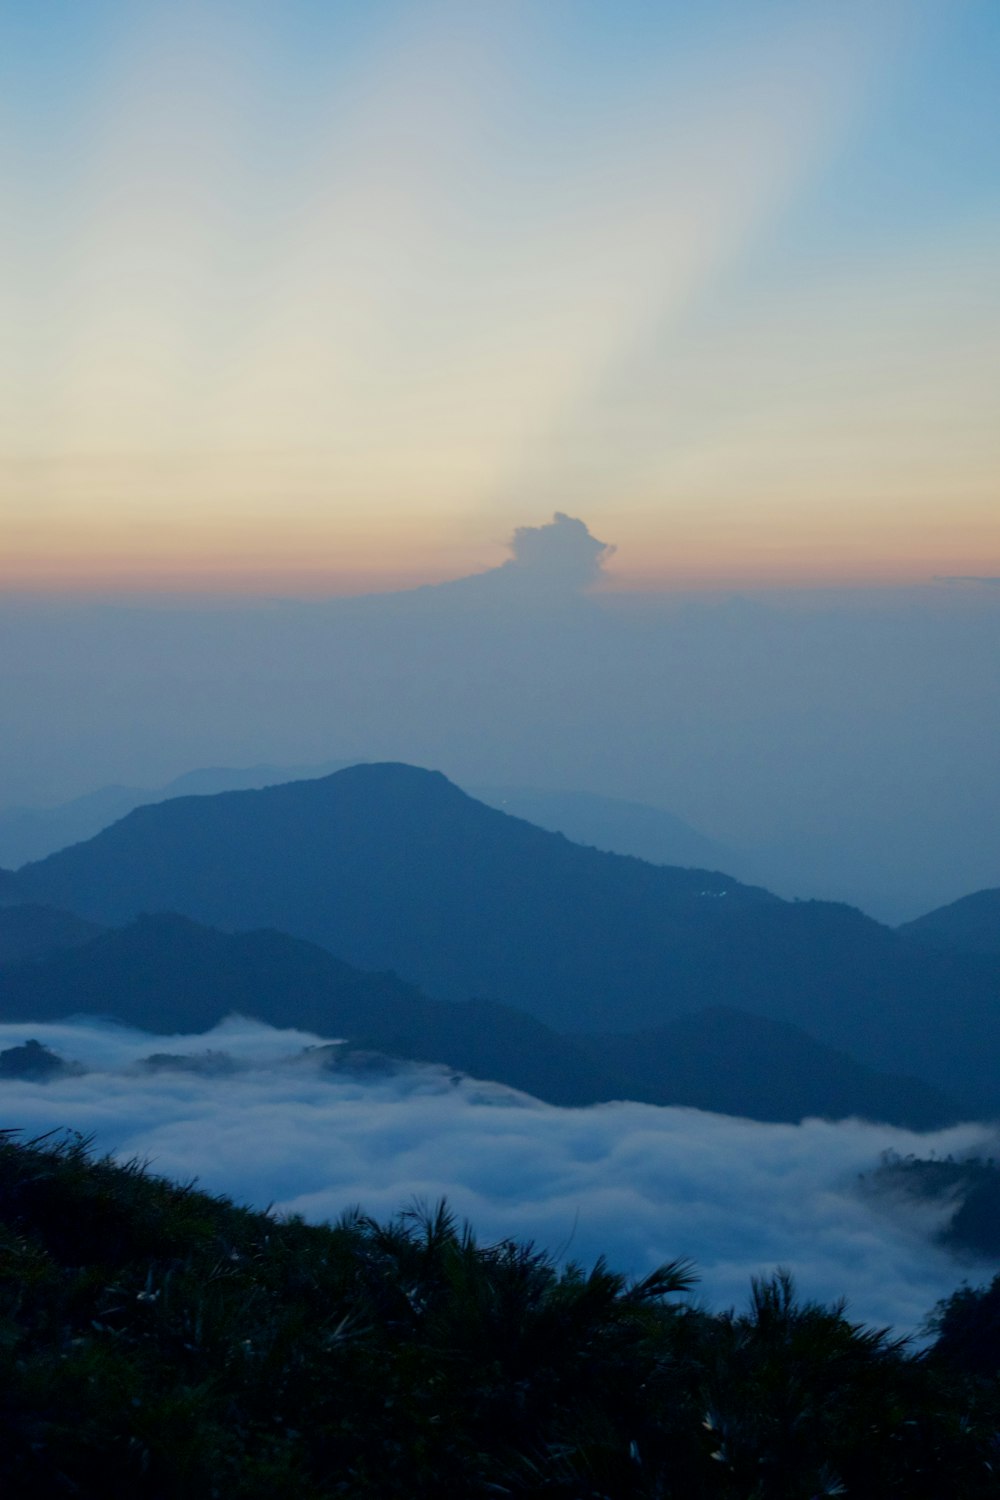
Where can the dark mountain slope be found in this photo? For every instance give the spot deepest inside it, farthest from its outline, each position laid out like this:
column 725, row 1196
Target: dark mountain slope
column 390, row 866
column 970, row 925
column 620, row 826
column 168, row 973
column 33, row 931
column 762, row 1069
column 611, row 823
column 30, row 833
column 393, row 867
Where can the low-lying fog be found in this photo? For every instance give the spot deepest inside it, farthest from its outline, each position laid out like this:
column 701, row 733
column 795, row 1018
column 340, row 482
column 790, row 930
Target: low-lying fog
column 630, row 1181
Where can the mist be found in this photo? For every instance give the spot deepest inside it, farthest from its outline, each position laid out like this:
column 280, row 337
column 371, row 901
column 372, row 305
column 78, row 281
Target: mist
column 636, row 1183
column 841, row 743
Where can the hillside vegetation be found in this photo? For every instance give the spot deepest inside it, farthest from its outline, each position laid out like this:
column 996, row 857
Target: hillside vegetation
column 160, row 1342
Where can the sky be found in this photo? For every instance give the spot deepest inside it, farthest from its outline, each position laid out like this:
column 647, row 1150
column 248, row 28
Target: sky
column 637, row 1184
column 313, row 297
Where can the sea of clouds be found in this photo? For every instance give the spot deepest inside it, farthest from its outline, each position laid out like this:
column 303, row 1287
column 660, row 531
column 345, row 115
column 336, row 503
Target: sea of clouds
column 636, row 1183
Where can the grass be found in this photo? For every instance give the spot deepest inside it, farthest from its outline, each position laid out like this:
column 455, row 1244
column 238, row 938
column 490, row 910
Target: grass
column 157, row 1341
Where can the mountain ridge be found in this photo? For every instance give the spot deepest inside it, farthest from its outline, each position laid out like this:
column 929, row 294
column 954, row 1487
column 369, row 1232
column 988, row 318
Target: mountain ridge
column 167, row 974
column 969, row 925
column 390, row 866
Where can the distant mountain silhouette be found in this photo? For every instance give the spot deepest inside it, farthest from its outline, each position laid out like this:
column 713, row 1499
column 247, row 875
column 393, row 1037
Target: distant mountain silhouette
column 28, row 833
column 765, row 1070
column 168, row 974
column 34, row 1063
column 34, row 931
column 393, row 867
column 967, row 1191
column 969, row 925
column 31, row 833
column 613, row 824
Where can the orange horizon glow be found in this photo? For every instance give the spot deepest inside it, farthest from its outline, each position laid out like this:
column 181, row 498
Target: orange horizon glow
column 247, row 576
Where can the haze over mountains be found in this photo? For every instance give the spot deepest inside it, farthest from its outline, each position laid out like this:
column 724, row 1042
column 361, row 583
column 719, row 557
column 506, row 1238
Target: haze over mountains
column 844, row 740
column 391, row 867
column 608, row 823
column 28, row 834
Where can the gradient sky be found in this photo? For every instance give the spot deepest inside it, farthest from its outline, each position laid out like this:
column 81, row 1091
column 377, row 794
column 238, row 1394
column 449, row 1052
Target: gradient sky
column 304, row 295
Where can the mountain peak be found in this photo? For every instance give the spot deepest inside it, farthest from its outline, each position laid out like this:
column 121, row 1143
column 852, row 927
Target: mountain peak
column 969, row 925
column 392, row 773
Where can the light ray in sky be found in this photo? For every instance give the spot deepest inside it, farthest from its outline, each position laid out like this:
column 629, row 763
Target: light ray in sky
column 380, row 288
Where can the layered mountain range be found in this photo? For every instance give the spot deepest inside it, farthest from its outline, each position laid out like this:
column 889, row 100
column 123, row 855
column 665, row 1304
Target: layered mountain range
column 628, row 967
column 167, row 974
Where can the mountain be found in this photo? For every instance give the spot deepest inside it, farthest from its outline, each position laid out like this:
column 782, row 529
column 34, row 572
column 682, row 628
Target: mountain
column 733, row 1063
column 33, row 931
column 33, row 1063
column 30, row 833
column 168, row 974
column 613, row 824
column 617, row 825
column 970, row 925
column 393, row 867
column 966, row 1192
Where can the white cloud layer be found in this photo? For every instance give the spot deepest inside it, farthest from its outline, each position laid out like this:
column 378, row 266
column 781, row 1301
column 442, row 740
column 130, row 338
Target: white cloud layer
column 634, row 1182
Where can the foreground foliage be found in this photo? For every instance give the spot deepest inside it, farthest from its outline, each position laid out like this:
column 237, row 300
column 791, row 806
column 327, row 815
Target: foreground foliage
column 159, row 1342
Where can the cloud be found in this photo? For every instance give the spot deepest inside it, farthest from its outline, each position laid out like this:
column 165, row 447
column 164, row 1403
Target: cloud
column 562, row 552
column 636, row 1183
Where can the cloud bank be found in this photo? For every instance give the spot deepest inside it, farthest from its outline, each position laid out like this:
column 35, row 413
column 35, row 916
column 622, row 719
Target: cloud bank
column 633, row 1182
